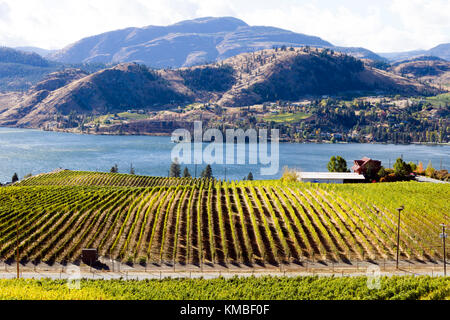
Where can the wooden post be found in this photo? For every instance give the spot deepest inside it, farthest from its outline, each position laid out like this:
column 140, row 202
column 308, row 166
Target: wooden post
column 398, row 234
column 444, row 235
column 17, row 248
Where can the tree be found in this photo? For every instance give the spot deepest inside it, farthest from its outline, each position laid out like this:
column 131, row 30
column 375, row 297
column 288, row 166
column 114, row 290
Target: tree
column 207, row 173
column 114, row 169
column 175, row 169
column 186, row 173
column 250, row 176
column 371, row 172
column 413, row 166
column 401, row 168
column 429, row 171
column 382, row 173
column 132, row 170
column 15, row 178
column 420, row 169
column 337, row 164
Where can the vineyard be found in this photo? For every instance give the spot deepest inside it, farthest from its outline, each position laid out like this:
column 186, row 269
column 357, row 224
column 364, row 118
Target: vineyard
column 264, row 288
column 145, row 220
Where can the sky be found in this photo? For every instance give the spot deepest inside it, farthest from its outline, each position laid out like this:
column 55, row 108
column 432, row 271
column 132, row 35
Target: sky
column 380, row 25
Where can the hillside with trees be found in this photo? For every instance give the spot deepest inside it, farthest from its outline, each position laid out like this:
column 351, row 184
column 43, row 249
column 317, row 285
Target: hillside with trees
column 287, row 74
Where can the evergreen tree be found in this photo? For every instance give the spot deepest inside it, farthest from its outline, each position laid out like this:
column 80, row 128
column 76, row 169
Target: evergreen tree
column 15, row 178
column 132, row 170
column 413, row 166
column 337, row 164
column 250, row 176
column 401, row 168
column 207, row 173
column 114, row 169
column 175, row 169
column 186, row 173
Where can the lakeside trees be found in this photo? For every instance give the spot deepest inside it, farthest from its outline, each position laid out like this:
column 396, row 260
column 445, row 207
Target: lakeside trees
column 175, row 169
column 337, row 164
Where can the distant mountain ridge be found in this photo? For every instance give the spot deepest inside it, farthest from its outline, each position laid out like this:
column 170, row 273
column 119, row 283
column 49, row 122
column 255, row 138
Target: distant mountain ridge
column 19, row 70
column 442, row 51
column 188, row 43
column 40, row 51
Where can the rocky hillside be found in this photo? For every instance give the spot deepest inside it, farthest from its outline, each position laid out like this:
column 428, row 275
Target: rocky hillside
column 271, row 75
column 246, row 79
column 75, row 92
column 188, row 43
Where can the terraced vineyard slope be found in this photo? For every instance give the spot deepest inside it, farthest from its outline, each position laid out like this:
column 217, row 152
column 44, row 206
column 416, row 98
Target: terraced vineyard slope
column 142, row 220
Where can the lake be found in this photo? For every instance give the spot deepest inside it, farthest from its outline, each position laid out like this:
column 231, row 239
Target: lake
column 33, row 151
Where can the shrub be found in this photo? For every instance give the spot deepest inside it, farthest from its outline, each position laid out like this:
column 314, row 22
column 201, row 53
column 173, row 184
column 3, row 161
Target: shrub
column 429, row 172
column 289, row 175
column 441, row 175
column 382, row 173
column 143, row 261
column 130, row 261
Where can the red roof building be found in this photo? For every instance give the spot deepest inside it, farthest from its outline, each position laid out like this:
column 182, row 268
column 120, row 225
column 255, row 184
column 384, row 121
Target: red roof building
column 360, row 166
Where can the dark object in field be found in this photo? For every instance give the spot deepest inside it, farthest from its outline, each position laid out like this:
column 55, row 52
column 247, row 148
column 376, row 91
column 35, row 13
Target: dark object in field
column 89, row 256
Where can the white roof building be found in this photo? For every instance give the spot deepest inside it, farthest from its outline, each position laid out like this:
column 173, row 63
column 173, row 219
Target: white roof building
column 330, row 177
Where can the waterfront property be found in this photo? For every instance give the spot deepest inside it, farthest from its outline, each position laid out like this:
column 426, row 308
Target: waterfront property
column 361, row 166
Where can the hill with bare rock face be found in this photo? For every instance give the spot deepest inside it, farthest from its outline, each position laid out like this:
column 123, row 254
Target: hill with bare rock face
column 246, row 79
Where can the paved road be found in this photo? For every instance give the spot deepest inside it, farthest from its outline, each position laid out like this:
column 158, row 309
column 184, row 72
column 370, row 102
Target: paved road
column 117, row 270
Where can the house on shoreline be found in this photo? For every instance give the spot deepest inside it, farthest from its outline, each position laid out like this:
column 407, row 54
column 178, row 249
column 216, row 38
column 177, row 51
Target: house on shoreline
column 361, row 166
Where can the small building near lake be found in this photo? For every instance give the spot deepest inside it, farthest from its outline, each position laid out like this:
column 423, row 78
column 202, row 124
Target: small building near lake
column 331, row 177
column 361, row 166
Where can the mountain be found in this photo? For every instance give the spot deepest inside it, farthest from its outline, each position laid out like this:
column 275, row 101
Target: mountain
column 19, row 70
column 40, row 51
column 290, row 75
column 246, row 79
column 360, row 53
column 425, row 68
column 188, row 43
column 442, row 51
column 73, row 91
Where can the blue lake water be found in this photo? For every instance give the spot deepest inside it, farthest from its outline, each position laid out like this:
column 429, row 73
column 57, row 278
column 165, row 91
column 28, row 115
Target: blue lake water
column 32, row 151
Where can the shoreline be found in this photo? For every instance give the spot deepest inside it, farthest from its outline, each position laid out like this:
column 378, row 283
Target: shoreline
column 163, row 134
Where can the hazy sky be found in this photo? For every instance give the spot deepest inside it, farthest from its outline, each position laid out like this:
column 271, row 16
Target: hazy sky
column 378, row 25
